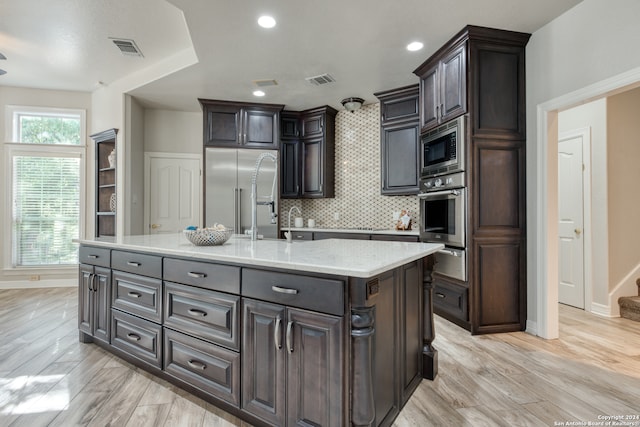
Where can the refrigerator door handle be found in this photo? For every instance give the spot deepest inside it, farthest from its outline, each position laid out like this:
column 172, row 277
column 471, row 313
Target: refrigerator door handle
column 238, row 211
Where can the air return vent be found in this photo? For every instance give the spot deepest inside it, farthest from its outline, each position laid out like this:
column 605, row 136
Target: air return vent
column 265, row 83
column 322, row 79
column 127, row 47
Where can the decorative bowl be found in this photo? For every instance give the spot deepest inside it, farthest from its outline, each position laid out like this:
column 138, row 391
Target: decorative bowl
column 208, row 236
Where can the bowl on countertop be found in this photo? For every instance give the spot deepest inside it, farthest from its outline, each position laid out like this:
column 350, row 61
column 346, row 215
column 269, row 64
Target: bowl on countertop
column 208, row 236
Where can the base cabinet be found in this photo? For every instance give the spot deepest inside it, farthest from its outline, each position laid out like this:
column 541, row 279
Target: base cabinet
column 292, row 365
column 94, row 297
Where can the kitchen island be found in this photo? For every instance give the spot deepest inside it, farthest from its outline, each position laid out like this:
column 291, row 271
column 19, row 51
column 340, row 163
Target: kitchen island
column 326, row 332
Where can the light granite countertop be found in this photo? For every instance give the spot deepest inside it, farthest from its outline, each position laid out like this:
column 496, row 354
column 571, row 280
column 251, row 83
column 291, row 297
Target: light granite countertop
column 357, row 258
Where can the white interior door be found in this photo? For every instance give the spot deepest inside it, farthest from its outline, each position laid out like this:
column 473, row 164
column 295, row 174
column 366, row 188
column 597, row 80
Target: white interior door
column 173, row 189
column 571, row 289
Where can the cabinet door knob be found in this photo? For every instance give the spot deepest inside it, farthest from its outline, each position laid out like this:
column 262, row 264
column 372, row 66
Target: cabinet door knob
column 154, row 226
column 578, row 231
column 197, row 313
column 281, row 290
column 196, row 364
column 133, row 337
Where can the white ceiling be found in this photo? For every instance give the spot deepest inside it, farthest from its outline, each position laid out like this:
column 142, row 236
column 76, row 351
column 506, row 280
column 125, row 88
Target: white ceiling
column 64, row 44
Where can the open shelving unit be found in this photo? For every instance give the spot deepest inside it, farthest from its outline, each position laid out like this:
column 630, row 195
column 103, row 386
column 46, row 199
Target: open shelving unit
column 105, row 183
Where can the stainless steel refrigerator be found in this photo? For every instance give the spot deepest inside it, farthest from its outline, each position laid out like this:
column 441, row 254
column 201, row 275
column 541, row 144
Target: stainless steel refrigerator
column 228, row 190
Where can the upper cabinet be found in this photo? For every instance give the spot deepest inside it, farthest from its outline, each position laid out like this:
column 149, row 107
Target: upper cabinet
column 400, row 139
column 105, row 182
column 443, row 84
column 307, row 153
column 241, row 125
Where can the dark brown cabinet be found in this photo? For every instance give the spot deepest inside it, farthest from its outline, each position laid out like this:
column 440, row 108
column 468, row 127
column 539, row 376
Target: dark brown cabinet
column 400, row 140
column 292, row 357
column 482, row 71
column 105, row 207
column 307, row 154
column 236, row 124
column 443, row 86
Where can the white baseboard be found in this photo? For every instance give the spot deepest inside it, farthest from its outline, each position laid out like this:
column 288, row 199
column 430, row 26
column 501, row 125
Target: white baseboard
column 603, row 310
column 34, row 284
column 532, row 327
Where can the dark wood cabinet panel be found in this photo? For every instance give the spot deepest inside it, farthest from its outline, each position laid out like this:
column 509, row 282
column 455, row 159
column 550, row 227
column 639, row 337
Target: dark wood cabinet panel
column 498, row 303
column 307, row 163
column 400, row 140
column 395, row 237
column 136, row 263
column 264, row 361
column 241, row 124
column 314, row 369
column 499, row 179
column 206, row 275
column 320, row 235
column 410, row 330
column 289, row 125
column 137, row 337
column 209, row 315
column 443, row 86
column 400, row 159
column 499, row 78
column 138, row 295
column 212, row 369
column 451, row 300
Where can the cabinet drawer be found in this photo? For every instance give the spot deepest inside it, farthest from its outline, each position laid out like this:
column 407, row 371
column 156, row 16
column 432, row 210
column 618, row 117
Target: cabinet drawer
column 312, row 293
column 299, row 235
column 451, row 299
column 209, row 315
column 132, row 262
column 395, row 237
column 137, row 295
column 206, row 366
column 206, row 275
column 321, row 235
column 94, row 256
column 137, row 337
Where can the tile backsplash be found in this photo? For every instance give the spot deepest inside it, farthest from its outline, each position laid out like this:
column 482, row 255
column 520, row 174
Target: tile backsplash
column 358, row 202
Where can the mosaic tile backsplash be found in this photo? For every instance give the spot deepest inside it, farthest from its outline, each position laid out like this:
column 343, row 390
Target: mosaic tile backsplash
column 358, row 202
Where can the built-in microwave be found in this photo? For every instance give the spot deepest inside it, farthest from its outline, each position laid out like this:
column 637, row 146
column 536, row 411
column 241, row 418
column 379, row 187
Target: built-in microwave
column 443, row 148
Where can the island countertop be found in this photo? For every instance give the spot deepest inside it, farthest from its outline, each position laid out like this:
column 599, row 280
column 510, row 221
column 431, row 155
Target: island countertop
column 356, row 258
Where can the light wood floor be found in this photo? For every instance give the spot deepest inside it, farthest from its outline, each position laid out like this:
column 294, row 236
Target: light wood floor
column 48, row 378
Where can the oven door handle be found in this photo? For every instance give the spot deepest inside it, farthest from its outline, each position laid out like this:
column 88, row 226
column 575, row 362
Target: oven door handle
column 447, row 252
column 439, row 193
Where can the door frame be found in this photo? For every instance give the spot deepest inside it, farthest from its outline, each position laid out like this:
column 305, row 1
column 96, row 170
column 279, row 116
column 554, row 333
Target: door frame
column 546, row 324
column 148, row 156
column 587, row 255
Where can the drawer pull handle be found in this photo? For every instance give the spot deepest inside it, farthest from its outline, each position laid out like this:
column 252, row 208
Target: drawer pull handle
column 195, row 364
column 197, row 313
column 439, row 295
column 281, row 290
column 197, row 275
column 93, row 256
column 134, row 294
column 133, row 264
column 277, row 337
column 289, row 337
column 133, row 337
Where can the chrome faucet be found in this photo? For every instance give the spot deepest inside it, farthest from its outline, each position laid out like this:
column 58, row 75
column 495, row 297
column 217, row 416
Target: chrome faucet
column 254, row 194
column 288, row 234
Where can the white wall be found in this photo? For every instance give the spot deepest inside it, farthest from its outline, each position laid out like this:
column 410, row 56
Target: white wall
column 594, row 41
column 39, row 98
column 172, row 131
column 594, row 116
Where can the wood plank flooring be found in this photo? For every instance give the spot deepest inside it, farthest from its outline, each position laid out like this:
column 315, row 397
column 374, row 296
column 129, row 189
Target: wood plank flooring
column 48, row 378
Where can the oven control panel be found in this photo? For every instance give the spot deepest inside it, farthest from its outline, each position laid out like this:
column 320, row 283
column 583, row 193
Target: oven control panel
column 455, row 180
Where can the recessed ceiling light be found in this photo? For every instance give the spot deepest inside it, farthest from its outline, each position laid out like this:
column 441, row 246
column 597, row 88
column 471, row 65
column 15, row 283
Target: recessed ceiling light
column 413, row 46
column 266, row 21
column 258, row 93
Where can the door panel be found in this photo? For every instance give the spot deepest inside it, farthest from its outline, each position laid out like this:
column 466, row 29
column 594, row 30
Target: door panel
column 570, row 226
column 174, row 193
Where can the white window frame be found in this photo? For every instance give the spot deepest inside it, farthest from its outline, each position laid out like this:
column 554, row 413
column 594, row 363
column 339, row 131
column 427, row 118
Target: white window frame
column 14, row 148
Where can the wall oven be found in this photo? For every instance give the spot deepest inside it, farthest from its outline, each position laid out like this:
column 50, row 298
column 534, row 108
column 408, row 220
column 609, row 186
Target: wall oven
column 443, row 212
column 443, row 148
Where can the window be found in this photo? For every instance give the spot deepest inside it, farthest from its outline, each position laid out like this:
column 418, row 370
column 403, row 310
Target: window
column 46, row 160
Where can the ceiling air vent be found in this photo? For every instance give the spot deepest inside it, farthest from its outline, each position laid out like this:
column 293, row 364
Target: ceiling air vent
column 127, row 47
column 322, row 79
column 265, row 83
